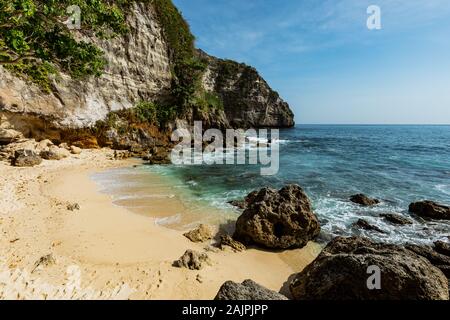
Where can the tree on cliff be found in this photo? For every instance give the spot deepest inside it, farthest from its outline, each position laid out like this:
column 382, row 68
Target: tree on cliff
column 35, row 35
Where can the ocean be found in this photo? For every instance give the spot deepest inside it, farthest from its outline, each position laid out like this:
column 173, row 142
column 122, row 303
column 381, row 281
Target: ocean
column 397, row 164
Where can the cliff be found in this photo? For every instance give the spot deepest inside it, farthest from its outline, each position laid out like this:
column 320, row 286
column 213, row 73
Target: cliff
column 140, row 68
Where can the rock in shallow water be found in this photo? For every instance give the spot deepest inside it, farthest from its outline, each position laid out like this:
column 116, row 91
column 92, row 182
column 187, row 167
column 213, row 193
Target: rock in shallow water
column 278, row 219
column 363, row 224
column 247, row 290
column 430, row 209
column 341, row 273
column 363, row 200
column 396, row 219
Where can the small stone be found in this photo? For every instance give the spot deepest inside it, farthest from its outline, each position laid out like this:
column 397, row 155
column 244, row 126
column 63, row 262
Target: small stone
column 44, row 261
column 75, row 150
column 26, row 158
column 73, row 207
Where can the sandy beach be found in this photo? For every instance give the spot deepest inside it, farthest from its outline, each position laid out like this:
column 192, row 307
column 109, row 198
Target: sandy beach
column 103, row 251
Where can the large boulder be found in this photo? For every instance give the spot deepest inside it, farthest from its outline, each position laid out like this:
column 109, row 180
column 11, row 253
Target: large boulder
column 26, row 158
column 278, row 219
column 247, row 290
column 341, row 272
column 436, row 258
column 364, row 200
column 430, row 209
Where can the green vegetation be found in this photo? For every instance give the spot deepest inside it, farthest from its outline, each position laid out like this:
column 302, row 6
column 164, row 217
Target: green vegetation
column 35, row 43
column 35, row 40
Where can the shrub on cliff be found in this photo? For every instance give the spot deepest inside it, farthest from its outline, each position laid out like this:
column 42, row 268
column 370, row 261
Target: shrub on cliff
column 35, row 39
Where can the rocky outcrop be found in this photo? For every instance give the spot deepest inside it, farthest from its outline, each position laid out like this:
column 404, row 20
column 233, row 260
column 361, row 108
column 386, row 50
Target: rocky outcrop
column 363, row 200
column 396, row 219
column 278, row 219
column 201, row 234
column 247, row 290
column 430, row 209
column 341, row 273
column 248, row 100
column 192, row 260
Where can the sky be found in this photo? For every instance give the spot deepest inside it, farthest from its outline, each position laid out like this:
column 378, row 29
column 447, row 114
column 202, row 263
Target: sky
column 324, row 61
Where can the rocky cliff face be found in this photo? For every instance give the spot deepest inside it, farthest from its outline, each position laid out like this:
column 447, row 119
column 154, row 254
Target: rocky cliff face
column 247, row 98
column 139, row 69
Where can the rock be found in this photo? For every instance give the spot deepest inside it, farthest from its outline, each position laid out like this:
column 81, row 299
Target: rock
column 363, row 200
column 73, row 207
column 278, row 219
column 363, row 224
column 241, row 204
column 44, row 261
column 44, row 145
column 340, row 272
column 55, row 153
column 87, row 142
column 248, row 101
column 201, row 234
column 75, row 150
column 442, row 248
column 438, row 260
column 192, row 260
column 430, row 209
column 26, row 158
column 247, row 290
column 396, row 219
column 8, row 136
column 64, row 145
column 227, row 241
column 159, row 156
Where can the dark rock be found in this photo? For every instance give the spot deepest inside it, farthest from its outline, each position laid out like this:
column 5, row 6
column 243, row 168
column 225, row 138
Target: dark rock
column 364, row 200
column 340, row 272
column 8, row 136
column 247, row 290
column 363, row 224
column 192, row 260
column 241, row 204
column 442, row 248
column 438, row 260
column 396, row 219
column 26, row 158
column 227, row 241
column 73, row 207
column 159, row 155
column 430, row 209
column 278, row 219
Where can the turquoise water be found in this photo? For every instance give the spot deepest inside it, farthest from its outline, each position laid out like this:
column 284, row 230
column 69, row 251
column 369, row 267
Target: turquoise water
column 397, row 164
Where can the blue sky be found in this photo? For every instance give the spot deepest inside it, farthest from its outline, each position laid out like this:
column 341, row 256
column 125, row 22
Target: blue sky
column 323, row 60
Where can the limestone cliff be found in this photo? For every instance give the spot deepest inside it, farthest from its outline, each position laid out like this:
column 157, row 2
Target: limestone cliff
column 138, row 69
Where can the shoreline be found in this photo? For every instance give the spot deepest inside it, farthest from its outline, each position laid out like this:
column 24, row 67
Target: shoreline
column 106, row 251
